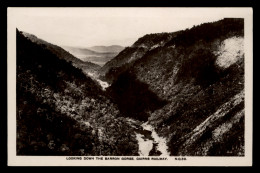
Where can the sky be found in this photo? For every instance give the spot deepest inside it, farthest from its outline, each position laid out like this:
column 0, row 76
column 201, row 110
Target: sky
column 85, row 27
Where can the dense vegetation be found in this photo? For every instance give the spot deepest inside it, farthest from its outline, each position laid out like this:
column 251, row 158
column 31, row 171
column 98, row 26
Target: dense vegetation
column 62, row 54
column 208, row 32
column 134, row 99
column 171, row 80
column 181, row 68
column 60, row 111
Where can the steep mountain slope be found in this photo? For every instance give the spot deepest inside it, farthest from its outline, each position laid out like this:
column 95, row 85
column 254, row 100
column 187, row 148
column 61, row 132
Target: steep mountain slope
column 62, row 54
column 136, row 51
column 199, row 73
column 61, row 111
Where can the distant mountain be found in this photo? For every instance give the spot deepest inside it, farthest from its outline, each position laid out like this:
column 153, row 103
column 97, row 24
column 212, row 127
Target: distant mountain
column 91, row 55
column 113, row 48
column 197, row 76
column 80, row 51
column 63, row 54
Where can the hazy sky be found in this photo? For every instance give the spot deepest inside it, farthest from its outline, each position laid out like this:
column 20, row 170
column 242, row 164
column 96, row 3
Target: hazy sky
column 108, row 26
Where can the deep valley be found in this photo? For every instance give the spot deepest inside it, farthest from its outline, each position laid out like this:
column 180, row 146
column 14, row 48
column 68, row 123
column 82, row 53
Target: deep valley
column 168, row 94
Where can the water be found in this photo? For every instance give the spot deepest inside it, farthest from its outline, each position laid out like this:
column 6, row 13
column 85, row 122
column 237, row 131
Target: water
column 103, row 84
column 145, row 145
column 159, row 142
column 150, row 143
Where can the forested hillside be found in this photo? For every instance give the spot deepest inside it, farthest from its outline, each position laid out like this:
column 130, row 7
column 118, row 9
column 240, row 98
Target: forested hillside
column 179, row 93
column 61, row 111
column 62, row 54
column 199, row 75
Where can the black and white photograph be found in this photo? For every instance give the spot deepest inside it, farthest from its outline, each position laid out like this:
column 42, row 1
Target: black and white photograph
column 130, row 86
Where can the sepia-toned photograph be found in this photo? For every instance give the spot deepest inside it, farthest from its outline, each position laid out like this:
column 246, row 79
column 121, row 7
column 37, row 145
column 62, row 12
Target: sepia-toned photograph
column 130, row 86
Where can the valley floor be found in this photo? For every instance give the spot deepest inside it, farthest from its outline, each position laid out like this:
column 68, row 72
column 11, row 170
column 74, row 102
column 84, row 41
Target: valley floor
column 149, row 142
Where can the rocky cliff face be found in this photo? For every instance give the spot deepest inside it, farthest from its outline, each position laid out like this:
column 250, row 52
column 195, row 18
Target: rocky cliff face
column 199, row 73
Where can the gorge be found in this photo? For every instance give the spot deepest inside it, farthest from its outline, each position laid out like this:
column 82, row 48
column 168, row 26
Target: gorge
column 168, row 94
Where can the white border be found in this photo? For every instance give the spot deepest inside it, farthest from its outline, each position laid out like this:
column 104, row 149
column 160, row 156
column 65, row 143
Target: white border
column 14, row 160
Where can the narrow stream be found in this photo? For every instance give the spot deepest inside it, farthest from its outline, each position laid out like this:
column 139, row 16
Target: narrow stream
column 159, row 143
column 150, row 143
column 103, row 84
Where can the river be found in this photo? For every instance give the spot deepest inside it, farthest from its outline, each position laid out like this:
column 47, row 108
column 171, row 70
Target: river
column 158, row 142
column 150, row 143
column 103, row 84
